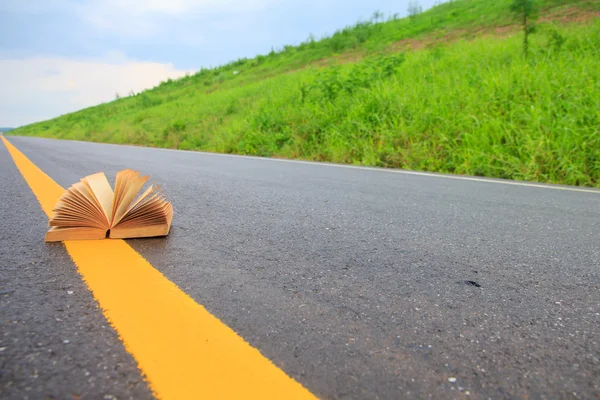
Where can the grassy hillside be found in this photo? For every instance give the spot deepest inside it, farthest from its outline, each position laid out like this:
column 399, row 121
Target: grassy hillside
column 448, row 91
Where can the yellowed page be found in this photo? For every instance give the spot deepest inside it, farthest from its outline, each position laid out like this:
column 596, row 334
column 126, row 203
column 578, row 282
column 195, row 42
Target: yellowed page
column 121, row 183
column 78, row 216
column 83, row 190
column 78, row 208
column 150, row 204
column 130, row 190
column 151, row 189
column 102, row 191
column 72, row 204
column 156, row 223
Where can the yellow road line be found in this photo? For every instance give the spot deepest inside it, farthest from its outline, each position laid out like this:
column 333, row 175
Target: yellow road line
column 184, row 351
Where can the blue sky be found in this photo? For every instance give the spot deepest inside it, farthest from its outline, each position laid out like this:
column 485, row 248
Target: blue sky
column 58, row 56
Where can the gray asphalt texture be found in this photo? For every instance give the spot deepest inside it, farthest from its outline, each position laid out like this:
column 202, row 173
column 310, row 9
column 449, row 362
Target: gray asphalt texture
column 360, row 284
column 54, row 341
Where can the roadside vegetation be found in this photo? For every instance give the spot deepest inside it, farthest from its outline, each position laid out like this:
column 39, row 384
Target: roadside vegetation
column 505, row 88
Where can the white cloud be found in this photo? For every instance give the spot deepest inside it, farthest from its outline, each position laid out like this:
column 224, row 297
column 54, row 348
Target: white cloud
column 41, row 88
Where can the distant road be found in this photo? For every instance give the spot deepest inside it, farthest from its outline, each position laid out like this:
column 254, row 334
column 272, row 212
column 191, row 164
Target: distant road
column 358, row 283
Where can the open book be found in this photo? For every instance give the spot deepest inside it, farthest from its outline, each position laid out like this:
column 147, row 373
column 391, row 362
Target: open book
column 90, row 210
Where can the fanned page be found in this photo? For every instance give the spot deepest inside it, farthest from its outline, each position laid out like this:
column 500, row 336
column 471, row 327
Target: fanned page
column 79, row 214
column 149, row 215
column 127, row 186
column 100, row 188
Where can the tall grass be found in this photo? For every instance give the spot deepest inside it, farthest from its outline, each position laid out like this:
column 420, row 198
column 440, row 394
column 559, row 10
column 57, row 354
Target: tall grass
column 474, row 107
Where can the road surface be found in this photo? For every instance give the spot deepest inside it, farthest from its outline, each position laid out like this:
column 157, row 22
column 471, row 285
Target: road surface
column 357, row 283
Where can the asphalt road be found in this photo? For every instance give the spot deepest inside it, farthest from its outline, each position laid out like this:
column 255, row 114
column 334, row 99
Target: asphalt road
column 353, row 281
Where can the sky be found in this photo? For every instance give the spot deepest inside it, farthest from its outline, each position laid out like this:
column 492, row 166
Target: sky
column 59, row 56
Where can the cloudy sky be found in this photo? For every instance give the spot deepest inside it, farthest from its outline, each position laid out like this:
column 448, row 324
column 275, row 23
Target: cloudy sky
column 58, row 56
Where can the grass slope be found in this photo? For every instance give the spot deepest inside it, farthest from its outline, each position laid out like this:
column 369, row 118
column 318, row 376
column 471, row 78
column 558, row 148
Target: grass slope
column 462, row 101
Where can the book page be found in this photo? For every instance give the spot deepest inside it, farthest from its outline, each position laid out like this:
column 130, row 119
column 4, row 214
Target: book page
column 67, row 216
column 141, row 205
column 83, row 193
column 156, row 223
column 127, row 187
column 120, row 183
column 77, row 207
column 101, row 190
column 152, row 189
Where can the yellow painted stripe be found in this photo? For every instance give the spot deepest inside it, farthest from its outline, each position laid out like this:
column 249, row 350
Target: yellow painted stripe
column 183, row 350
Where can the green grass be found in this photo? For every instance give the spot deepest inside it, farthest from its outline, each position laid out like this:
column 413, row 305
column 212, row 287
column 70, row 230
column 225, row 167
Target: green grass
column 469, row 106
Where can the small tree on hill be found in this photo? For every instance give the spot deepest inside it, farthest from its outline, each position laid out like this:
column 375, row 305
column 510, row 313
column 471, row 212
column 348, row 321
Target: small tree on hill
column 526, row 11
column 377, row 15
column 414, row 9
